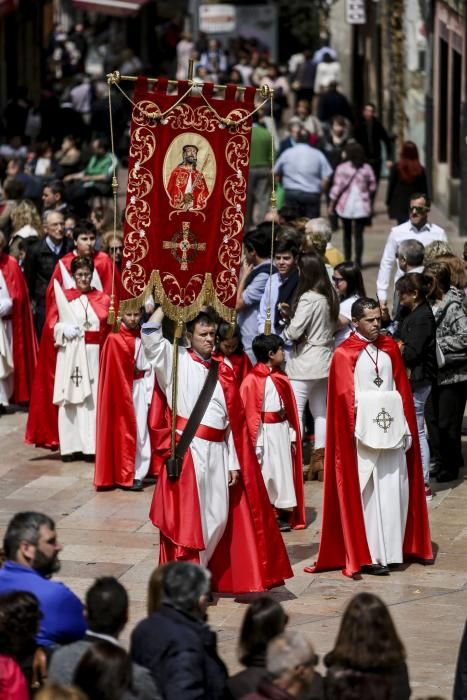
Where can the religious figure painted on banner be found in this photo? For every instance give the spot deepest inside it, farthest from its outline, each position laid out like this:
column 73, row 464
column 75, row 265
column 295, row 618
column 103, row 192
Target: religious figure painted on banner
column 189, row 181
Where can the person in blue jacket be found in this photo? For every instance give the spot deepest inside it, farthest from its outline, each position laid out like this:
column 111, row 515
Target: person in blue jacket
column 31, row 548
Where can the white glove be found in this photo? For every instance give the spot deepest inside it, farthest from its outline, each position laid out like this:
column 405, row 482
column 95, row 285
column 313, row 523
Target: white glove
column 407, row 442
column 149, row 304
column 259, row 453
column 70, row 332
column 6, row 306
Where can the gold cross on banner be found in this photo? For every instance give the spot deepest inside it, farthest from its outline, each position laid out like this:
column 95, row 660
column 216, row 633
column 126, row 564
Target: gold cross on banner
column 184, row 246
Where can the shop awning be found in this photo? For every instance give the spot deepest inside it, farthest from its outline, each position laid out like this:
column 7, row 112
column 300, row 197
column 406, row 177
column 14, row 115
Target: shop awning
column 122, row 8
column 7, row 6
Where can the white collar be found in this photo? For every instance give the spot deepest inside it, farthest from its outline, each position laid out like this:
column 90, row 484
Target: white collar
column 106, row 637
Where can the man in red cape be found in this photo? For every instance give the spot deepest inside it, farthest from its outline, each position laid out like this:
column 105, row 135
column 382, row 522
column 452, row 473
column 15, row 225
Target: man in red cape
column 272, row 410
column 42, row 424
column 344, row 539
column 217, row 512
column 125, row 395
column 187, row 187
column 24, row 342
column 84, row 236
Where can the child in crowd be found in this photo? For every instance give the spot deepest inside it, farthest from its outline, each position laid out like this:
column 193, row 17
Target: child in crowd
column 230, row 346
column 274, row 428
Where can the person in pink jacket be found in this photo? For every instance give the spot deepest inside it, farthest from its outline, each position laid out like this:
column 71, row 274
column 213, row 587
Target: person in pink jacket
column 351, row 198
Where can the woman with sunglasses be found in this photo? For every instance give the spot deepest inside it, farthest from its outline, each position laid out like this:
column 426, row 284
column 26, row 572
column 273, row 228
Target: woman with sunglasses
column 348, row 282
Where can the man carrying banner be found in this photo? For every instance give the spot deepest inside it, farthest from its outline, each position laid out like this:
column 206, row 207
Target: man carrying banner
column 217, row 511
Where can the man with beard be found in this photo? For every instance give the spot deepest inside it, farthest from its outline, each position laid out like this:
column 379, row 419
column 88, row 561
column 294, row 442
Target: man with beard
column 31, row 548
column 187, row 187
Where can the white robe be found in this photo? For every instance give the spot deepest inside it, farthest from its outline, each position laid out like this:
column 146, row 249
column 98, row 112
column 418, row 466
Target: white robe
column 142, row 395
column 6, row 345
column 383, row 476
column 212, row 460
column 77, row 422
column 273, row 448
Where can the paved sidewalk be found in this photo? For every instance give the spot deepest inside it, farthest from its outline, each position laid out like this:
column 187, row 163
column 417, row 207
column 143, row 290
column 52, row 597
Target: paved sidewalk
column 109, row 534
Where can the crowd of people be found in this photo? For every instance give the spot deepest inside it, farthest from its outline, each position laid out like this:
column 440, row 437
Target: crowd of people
column 55, row 647
column 316, row 381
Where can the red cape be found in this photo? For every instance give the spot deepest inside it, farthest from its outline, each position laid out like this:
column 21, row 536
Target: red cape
column 252, row 393
column 343, row 542
column 241, row 366
column 24, row 337
column 42, row 425
column 251, row 555
column 116, row 422
column 103, row 264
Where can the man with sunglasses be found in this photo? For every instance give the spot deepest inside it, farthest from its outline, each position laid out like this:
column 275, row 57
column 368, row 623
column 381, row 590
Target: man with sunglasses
column 417, row 227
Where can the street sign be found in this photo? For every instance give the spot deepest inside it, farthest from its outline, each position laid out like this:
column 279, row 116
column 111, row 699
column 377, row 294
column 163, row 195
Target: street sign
column 215, row 19
column 355, row 11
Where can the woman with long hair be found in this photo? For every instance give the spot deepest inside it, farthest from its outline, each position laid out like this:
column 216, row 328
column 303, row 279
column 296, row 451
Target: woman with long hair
column 417, row 335
column 368, row 642
column 264, row 619
column 348, row 282
column 311, row 329
column 406, row 177
column 446, row 404
column 351, row 198
column 230, row 347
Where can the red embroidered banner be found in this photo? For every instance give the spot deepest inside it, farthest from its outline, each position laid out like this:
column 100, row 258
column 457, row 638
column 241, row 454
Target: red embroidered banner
column 184, row 217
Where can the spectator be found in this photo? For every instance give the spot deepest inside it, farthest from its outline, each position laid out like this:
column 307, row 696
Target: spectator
column 31, row 549
column 19, row 623
column 328, row 71
column 446, row 403
column 279, row 83
column 348, row 684
column 406, row 177
column 104, row 672
column 349, row 285
column 264, row 619
column 32, row 186
column 333, row 255
column 417, row 334
column 95, row 179
column 70, row 224
column 69, row 155
column 43, row 164
column 253, row 280
column 410, row 254
column 333, row 144
column 293, row 127
column 25, row 229
column 436, row 249
column 456, row 268
column 315, row 241
column 112, row 244
column 103, row 218
column 371, row 134
column 332, row 103
column 81, row 96
column 305, row 173
column 304, row 78
column 290, row 662
column 214, row 58
column 176, row 644
column 418, row 228
column 185, row 49
column 308, row 120
column 13, row 192
column 311, row 329
column 259, row 174
column 367, row 642
column 53, row 196
column 279, row 294
column 350, row 197
column 107, row 615
column 41, row 261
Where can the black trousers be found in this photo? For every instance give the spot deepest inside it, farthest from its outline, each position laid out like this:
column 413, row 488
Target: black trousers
column 358, row 226
column 444, row 412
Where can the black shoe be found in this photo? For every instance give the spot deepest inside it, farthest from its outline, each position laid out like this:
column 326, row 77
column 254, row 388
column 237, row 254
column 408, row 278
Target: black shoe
column 150, row 480
column 375, row 570
column 88, row 458
column 137, row 485
column 444, row 476
column 435, row 470
column 283, row 525
column 72, row 457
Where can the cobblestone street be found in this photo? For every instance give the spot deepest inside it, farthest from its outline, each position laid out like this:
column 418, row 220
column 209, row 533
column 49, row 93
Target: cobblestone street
column 109, row 534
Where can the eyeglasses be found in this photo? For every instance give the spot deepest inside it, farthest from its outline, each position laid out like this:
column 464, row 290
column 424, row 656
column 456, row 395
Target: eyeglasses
column 83, row 275
column 338, row 280
column 418, row 210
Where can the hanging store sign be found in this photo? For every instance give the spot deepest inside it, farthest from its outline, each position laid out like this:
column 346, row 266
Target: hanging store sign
column 355, row 11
